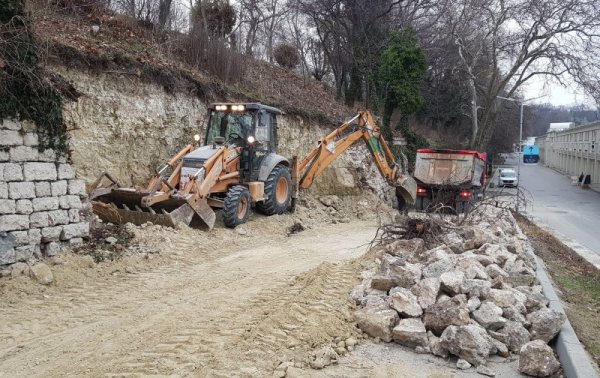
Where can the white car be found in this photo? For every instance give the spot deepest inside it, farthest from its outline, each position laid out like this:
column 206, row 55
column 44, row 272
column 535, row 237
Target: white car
column 508, row 177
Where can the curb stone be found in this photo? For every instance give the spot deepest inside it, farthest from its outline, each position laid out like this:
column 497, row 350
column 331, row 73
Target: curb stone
column 575, row 361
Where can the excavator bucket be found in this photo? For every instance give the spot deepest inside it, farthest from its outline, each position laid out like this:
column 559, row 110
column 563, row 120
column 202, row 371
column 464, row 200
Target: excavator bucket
column 406, row 187
column 122, row 205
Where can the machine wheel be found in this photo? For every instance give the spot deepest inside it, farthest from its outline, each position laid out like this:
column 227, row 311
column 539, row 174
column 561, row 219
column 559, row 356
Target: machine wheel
column 278, row 188
column 422, row 204
column 463, row 207
column 237, row 206
column 419, row 204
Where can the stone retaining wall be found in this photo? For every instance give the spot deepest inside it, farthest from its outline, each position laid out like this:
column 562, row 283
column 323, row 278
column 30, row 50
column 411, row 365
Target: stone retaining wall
column 40, row 197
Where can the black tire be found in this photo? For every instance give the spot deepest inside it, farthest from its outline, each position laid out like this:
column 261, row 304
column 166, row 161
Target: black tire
column 280, row 175
column 463, row 207
column 237, row 206
column 422, row 204
column 419, row 204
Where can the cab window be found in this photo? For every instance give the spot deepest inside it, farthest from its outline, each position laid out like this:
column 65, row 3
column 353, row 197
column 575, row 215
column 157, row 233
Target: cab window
column 228, row 125
column 262, row 130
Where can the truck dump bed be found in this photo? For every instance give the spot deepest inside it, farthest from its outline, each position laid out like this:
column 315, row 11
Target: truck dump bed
column 436, row 167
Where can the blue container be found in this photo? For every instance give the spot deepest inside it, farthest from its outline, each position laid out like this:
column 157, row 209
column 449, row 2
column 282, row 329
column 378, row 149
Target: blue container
column 531, row 154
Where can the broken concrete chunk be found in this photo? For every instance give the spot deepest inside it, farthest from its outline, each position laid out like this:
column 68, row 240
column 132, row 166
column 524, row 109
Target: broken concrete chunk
column 472, row 268
column 469, row 342
column 406, row 275
column 405, row 302
column 501, row 348
column 502, row 298
column 537, row 359
column 411, row 333
column 450, row 282
column 545, row 324
column 394, row 272
column 516, row 336
column 437, row 268
column 374, row 301
column 441, row 315
column 426, row 291
column 489, row 316
column 516, row 313
column 476, row 288
column 534, row 299
column 473, row 304
column 377, row 322
column 493, row 270
column 382, row 282
column 435, row 346
column 358, row 293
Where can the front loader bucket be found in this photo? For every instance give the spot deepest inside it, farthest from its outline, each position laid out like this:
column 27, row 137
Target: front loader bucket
column 124, row 205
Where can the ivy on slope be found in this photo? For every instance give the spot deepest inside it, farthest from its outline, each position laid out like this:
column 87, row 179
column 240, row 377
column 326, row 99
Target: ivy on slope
column 27, row 91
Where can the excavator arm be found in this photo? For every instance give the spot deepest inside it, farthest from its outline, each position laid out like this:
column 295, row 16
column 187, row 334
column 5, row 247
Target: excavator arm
column 364, row 127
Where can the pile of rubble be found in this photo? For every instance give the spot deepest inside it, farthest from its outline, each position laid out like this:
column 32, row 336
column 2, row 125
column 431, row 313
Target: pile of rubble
column 473, row 296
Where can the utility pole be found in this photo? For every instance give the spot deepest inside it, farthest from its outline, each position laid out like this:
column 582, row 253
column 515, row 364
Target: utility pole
column 522, row 103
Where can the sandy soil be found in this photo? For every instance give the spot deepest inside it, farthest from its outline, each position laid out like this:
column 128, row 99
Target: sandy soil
column 224, row 303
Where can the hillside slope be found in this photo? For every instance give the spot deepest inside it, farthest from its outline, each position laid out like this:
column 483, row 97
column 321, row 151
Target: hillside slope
column 121, row 47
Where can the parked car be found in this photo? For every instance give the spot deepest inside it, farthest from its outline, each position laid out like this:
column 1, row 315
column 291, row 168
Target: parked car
column 508, row 177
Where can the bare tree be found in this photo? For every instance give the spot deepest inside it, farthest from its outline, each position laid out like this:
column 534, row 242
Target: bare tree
column 503, row 45
column 164, row 11
column 257, row 16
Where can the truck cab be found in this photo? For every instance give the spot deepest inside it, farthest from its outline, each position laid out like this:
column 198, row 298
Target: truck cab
column 248, row 130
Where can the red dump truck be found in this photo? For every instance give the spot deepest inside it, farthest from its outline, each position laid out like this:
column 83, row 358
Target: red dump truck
column 454, row 178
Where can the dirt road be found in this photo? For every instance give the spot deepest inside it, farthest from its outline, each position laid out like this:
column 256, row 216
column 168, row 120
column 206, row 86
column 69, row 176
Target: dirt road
column 226, row 303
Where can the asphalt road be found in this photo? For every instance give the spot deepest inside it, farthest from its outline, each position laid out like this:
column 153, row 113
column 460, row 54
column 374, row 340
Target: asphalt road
column 564, row 207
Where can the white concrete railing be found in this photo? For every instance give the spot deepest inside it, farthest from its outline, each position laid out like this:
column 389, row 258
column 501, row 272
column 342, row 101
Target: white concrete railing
column 573, row 151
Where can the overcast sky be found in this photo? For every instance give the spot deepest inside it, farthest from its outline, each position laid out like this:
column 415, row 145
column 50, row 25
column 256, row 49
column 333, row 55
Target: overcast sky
column 556, row 94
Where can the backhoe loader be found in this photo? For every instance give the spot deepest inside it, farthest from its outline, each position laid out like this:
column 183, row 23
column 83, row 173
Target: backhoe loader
column 237, row 168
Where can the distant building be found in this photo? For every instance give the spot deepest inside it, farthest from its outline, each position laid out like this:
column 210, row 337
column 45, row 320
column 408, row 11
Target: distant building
column 560, row 126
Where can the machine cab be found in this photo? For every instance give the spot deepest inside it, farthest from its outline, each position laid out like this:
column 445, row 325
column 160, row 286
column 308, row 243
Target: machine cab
column 249, row 125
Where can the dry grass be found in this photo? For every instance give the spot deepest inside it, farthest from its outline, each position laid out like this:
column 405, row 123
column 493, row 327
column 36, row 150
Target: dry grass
column 577, row 281
column 122, row 47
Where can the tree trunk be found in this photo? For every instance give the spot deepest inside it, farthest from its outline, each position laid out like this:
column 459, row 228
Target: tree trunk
column 388, row 111
column 164, row 10
column 474, row 121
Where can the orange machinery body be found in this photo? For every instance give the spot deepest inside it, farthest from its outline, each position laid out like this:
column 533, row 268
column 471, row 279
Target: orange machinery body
column 171, row 199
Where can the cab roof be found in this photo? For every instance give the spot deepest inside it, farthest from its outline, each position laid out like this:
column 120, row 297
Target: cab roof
column 249, row 106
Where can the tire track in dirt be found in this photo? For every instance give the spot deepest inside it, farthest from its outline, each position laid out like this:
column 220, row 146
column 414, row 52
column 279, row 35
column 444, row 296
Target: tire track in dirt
column 218, row 311
column 284, row 323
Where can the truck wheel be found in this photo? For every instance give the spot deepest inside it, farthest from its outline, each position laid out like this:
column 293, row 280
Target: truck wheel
column 419, row 204
column 278, row 188
column 463, row 207
column 426, row 204
column 237, row 206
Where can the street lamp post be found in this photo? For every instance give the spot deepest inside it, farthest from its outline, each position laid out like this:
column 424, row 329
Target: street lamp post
column 522, row 103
